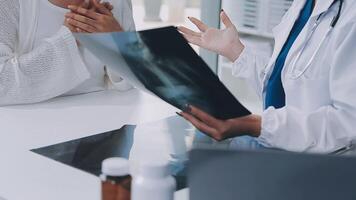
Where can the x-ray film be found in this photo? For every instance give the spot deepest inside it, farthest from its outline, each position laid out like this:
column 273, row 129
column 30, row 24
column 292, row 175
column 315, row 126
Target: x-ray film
column 161, row 62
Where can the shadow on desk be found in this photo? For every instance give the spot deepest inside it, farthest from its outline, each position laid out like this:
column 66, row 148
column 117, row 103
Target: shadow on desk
column 87, row 153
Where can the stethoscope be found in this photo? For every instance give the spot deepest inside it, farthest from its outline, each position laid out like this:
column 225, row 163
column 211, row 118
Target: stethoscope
column 297, row 73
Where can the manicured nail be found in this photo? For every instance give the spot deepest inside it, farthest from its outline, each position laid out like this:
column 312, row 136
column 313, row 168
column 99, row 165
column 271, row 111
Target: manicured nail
column 180, row 115
column 187, row 108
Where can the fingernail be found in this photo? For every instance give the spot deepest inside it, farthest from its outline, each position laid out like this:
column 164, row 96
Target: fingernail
column 222, row 10
column 187, row 108
column 180, row 115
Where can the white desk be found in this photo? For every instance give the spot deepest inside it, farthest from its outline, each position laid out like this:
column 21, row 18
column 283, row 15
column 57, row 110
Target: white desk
column 28, row 176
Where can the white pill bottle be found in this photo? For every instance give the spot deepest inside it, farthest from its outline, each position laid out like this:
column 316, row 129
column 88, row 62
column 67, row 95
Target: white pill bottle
column 153, row 182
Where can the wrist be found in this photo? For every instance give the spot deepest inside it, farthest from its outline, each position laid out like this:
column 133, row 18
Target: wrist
column 118, row 27
column 235, row 50
column 255, row 126
column 249, row 125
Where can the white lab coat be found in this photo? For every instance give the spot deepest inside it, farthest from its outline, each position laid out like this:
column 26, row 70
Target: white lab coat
column 320, row 111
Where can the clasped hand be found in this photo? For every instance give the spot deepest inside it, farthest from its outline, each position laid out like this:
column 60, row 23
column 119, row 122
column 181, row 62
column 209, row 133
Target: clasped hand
column 94, row 18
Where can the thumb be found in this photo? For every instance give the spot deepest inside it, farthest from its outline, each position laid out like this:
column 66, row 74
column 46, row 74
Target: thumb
column 85, row 4
column 101, row 8
column 226, row 20
column 108, row 6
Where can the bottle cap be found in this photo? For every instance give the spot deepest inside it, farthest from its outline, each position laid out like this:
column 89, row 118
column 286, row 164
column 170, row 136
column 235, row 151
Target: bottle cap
column 115, row 167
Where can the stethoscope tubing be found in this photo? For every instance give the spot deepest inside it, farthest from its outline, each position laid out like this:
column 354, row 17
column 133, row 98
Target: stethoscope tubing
column 298, row 73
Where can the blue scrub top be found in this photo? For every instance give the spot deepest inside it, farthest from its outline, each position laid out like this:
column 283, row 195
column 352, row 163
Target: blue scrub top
column 275, row 95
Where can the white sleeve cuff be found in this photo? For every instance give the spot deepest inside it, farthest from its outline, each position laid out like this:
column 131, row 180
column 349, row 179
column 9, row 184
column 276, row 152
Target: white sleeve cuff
column 268, row 130
column 242, row 61
column 279, row 130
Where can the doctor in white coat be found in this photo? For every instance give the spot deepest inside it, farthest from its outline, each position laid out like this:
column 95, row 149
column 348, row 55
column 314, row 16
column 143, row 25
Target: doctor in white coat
column 308, row 86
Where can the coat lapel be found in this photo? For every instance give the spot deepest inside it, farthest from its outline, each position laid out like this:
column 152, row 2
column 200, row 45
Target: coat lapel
column 281, row 34
column 282, row 31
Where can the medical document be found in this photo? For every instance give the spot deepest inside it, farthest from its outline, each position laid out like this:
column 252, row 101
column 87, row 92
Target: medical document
column 161, row 62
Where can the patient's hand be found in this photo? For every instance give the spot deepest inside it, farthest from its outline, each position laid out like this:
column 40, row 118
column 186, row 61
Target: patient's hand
column 97, row 19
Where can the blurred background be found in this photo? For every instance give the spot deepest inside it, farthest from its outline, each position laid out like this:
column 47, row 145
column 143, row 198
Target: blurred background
column 255, row 20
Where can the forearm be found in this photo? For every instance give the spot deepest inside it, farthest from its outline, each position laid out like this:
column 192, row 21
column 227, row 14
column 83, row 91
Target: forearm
column 249, row 125
column 49, row 70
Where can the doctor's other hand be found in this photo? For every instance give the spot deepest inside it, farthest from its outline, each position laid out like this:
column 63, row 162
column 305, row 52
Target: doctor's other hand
column 225, row 42
column 98, row 20
column 222, row 129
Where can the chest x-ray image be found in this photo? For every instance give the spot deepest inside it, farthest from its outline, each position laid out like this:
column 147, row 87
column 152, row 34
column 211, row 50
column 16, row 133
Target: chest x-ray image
column 161, row 62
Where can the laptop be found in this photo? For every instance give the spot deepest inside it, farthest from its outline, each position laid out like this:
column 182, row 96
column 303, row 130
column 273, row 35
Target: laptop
column 270, row 175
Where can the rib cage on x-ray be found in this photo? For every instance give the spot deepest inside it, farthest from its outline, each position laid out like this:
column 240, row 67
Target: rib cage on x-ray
column 165, row 83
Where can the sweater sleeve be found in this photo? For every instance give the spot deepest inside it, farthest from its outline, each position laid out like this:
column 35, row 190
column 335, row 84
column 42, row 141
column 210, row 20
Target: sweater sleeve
column 49, row 70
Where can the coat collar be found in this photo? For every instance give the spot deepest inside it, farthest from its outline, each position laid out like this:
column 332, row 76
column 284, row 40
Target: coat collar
column 321, row 7
column 281, row 35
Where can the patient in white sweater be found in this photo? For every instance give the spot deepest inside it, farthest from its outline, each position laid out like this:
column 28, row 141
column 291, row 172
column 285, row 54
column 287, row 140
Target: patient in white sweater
column 39, row 57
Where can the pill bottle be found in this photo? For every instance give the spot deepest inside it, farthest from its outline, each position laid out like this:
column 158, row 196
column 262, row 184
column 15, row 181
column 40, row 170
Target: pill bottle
column 153, row 182
column 115, row 179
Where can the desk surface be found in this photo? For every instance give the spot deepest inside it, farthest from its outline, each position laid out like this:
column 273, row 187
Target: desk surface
column 28, row 176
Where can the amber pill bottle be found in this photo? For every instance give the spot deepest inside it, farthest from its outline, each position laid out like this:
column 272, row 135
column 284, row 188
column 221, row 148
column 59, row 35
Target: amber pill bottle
column 115, row 179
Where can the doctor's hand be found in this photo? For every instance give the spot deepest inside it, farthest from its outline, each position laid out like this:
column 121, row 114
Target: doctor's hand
column 98, row 20
column 225, row 42
column 222, row 129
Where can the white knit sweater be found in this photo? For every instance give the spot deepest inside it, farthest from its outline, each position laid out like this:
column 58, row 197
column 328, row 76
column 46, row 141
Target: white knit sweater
column 49, row 70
